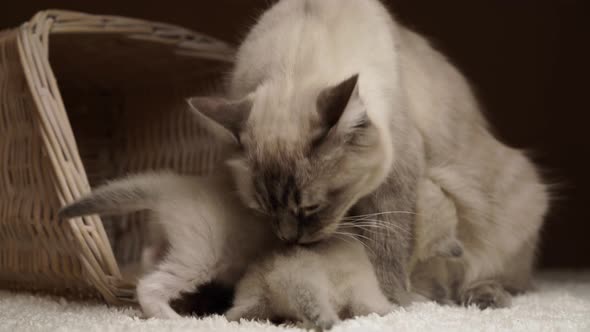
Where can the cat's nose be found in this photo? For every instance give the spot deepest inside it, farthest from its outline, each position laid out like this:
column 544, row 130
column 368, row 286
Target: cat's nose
column 289, row 237
column 289, row 230
column 291, row 241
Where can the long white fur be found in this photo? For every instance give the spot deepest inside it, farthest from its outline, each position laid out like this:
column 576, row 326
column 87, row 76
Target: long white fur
column 211, row 235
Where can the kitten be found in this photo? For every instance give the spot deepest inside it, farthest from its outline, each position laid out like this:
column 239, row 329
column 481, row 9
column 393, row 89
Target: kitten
column 211, row 235
column 336, row 106
column 334, row 279
column 317, row 285
column 435, row 225
column 437, row 245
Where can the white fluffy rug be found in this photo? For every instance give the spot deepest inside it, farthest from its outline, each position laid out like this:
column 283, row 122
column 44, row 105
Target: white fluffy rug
column 561, row 303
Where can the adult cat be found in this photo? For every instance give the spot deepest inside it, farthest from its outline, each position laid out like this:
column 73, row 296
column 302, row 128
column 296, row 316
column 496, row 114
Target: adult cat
column 338, row 110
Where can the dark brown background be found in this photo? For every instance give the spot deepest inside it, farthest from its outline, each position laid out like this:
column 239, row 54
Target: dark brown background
column 528, row 60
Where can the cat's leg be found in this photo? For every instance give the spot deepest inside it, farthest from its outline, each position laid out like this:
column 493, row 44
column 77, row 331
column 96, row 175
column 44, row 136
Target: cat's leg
column 485, row 294
column 497, row 292
column 517, row 277
column 367, row 299
column 513, row 278
column 179, row 272
column 312, row 305
column 499, row 247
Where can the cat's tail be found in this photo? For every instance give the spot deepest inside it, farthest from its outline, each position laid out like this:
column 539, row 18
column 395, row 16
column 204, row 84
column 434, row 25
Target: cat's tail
column 134, row 193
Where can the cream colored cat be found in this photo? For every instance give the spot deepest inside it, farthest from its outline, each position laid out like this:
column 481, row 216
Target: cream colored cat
column 337, row 109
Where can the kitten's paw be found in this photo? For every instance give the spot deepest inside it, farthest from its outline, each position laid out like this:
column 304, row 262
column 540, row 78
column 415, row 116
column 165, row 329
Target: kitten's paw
column 323, row 323
column 365, row 309
column 154, row 306
column 320, row 321
column 251, row 311
column 385, row 310
column 418, row 298
column 234, row 314
column 488, row 294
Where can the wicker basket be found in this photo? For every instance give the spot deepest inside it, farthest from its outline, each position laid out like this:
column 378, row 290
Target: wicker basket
column 83, row 99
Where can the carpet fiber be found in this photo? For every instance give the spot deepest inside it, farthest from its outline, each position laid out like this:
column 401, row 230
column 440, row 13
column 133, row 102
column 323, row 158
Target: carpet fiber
column 561, row 303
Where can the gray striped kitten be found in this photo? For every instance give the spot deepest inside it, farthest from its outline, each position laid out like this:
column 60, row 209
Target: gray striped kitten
column 338, row 110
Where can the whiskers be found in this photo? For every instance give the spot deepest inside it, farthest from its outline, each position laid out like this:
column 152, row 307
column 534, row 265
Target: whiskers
column 353, row 237
column 372, row 215
column 371, row 223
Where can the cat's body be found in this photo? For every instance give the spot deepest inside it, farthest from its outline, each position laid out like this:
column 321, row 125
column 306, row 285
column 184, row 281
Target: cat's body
column 500, row 200
column 211, row 235
column 313, row 148
column 317, row 285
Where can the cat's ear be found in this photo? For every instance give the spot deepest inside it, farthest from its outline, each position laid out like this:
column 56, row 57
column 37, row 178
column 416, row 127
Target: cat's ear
column 231, row 115
column 341, row 107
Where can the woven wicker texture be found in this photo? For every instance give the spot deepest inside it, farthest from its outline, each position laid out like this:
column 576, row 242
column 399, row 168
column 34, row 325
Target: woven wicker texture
column 84, row 99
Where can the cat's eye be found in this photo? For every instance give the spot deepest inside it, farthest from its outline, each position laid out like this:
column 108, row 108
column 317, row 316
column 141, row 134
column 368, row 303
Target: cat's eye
column 253, row 205
column 311, row 209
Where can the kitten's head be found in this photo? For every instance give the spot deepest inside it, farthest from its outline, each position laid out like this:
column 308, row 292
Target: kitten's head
column 302, row 158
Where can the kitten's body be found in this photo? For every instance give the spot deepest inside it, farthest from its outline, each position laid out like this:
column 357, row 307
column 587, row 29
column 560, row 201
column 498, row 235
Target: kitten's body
column 316, row 285
column 334, row 279
column 211, row 236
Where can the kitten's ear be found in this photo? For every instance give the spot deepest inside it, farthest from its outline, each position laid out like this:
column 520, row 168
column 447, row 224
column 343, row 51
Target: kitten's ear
column 231, row 115
column 341, row 106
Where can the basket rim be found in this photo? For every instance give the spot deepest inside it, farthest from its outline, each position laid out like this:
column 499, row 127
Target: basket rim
column 69, row 176
column 188, row 42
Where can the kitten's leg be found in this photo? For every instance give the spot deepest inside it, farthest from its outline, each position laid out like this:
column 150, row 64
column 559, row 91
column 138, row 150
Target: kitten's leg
column 485, row 294
column 251, row 309
column 366, row 300
column 250, row 301
column 449, row 248
column 434, row 279
column 176, row 274
column 312, row 304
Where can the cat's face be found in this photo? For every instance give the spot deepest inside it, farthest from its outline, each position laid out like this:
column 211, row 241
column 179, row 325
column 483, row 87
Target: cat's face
column 304, row 169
